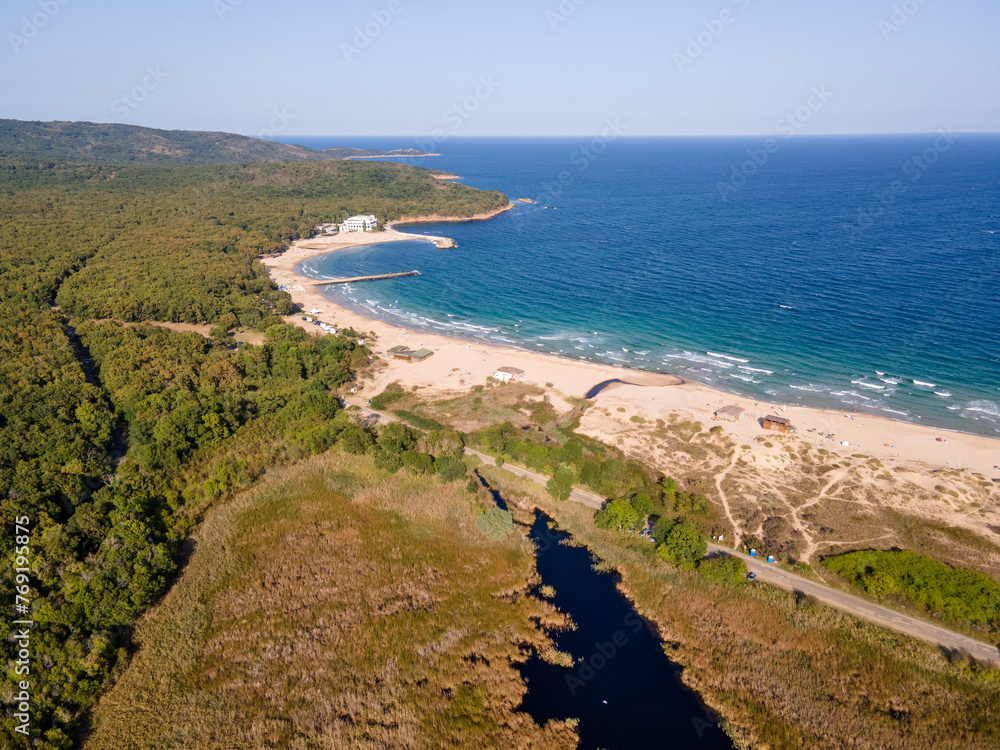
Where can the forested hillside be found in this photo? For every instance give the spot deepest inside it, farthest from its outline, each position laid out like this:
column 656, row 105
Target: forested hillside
column 114, row 143
column 179, row 244
column 116, row 435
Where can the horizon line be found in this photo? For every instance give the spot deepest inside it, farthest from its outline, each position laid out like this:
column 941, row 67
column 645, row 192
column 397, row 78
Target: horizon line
column 620, row 137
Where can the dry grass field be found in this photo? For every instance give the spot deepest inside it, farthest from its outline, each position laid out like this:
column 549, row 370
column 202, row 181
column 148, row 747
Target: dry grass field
column 334, row 606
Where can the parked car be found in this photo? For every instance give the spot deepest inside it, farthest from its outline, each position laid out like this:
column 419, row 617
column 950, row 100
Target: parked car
column 751, row 577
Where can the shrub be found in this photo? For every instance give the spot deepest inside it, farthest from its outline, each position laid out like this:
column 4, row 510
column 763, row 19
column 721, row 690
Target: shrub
column 422, row 463
column 449, row 469
column 421, row 423
column 952, row 594
column 726, row 569
column 355, row 439
column 392, row 393
column 495, row 524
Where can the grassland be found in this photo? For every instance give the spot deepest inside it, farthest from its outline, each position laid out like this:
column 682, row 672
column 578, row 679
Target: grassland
column 336, row 606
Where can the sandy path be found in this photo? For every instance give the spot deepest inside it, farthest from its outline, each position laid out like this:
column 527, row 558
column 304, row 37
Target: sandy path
column 719, row 479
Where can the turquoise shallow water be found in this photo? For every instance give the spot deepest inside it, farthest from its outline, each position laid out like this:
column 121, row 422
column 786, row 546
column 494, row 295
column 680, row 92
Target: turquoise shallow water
column 856, row 273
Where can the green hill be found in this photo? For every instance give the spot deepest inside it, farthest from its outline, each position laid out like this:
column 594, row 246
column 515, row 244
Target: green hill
column 110, row 143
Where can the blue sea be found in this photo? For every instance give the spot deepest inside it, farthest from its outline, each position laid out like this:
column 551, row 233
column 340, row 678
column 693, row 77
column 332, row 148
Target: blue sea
column 848, row 272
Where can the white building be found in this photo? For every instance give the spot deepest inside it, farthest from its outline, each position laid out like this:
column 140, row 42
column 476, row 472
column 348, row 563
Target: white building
column 508, row 374
column 360, row 224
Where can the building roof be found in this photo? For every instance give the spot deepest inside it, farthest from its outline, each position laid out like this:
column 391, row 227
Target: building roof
column 511, row 370
column 418, row 354
column 777, row 420
column 733, row 411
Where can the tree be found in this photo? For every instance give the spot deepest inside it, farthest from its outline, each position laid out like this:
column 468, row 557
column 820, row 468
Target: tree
column 682, row 542
column 538, row 457
column 560, row 486
column 642, row 504
column 662, row 527
column 617, row 515
column 421, row 463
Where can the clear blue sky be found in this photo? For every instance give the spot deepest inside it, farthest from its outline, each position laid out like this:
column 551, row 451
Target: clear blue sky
column 554, row 68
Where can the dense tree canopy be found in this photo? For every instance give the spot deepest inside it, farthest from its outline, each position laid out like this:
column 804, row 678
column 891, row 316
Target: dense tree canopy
column 115, row 434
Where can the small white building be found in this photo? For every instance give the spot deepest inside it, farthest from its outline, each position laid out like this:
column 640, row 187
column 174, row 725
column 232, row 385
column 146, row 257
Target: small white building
column 360, row 224
column 508, row 374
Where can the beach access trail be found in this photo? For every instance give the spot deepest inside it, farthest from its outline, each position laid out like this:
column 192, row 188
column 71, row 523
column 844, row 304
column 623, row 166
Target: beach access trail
column 855, row 605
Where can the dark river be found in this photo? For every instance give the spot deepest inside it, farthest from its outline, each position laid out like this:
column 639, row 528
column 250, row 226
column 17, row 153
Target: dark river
column 623, row 689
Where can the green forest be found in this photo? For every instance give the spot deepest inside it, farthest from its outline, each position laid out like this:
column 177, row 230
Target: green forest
column 115, row 143
column 117, row 435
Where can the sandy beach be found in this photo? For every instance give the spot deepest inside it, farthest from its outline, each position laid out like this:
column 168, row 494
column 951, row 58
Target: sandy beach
column 458, row 364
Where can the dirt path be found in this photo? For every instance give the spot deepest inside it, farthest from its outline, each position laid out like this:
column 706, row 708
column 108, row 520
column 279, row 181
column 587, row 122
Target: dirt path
column 719, row 479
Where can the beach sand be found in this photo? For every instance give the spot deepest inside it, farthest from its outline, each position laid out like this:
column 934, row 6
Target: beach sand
column 459, row 364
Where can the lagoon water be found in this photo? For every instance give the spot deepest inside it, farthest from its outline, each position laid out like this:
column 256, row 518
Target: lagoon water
column 845, row 272
column 622, row 687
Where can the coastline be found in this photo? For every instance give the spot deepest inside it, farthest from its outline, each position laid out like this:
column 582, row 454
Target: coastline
column 437, row 219
column 458, row 364
column 388, row 155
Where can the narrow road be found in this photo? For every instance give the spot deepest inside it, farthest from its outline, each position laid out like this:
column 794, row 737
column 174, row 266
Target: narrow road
column 866, row 610
column 577, row 495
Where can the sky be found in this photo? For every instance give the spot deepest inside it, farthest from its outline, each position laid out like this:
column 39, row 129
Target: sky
column 551, row 67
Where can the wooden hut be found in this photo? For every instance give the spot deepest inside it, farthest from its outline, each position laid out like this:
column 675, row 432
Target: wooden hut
column 778, row 424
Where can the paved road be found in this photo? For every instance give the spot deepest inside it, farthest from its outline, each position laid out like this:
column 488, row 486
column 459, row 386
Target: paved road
column 857, row 606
